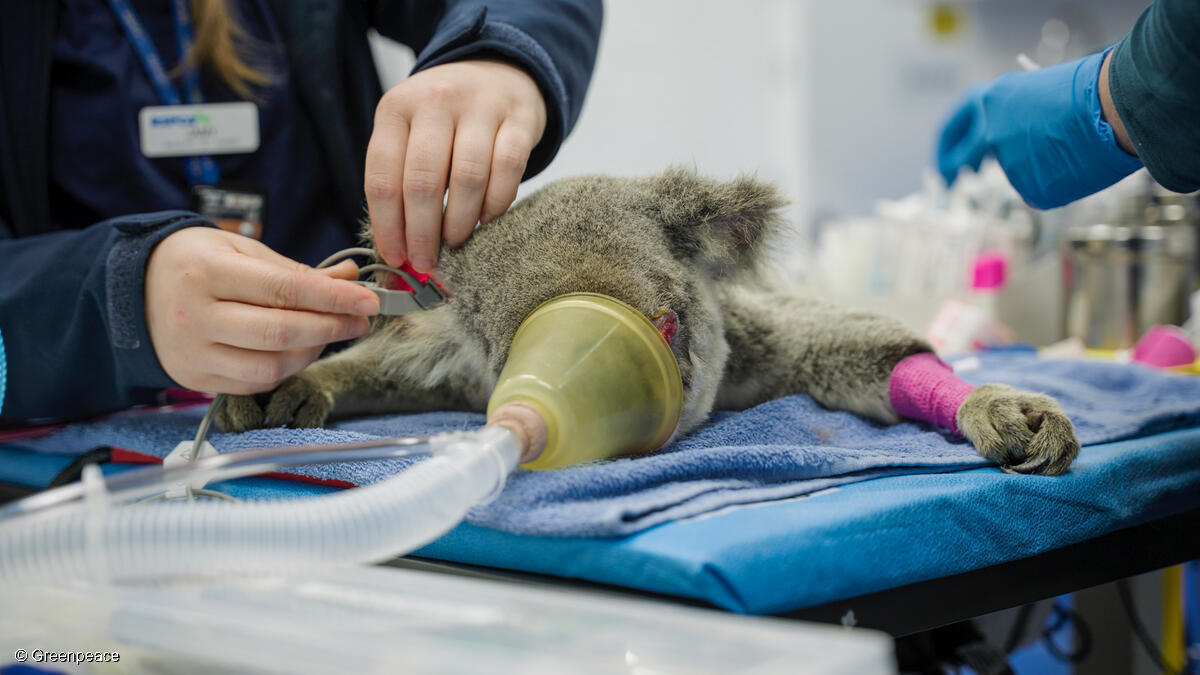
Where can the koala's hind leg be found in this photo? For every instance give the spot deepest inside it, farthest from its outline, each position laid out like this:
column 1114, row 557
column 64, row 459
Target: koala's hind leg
column 355, row 381
column 782, row 344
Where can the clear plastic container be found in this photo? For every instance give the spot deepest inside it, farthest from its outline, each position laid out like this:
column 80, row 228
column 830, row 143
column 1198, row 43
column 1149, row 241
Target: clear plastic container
column 386, row 620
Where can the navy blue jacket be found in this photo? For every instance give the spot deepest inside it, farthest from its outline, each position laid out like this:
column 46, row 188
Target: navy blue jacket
column 1155, row 79
column 73, row 334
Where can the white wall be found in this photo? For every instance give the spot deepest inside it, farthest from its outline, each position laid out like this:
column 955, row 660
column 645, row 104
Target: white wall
column 837, row 100
column 706, row 83
column 881, row 80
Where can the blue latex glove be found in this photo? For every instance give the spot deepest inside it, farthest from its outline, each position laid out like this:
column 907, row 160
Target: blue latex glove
column 1045, row 129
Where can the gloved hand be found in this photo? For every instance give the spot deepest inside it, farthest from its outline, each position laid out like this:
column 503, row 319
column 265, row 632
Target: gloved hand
column 1046, row 130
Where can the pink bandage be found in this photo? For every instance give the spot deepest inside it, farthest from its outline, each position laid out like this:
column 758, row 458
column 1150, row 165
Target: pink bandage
column 924, row 388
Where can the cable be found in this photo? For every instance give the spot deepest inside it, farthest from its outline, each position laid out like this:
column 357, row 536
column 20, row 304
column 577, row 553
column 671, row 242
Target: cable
column 1140, row 630
column 1017, row 633
column 73, row 471
column 1020, row 626
column 346, row 253
column 145, row 482
column 221, row 399
column 192, row 494
column 372, row 267
column 1083, row 635
column 412, row 282
column 205, row 424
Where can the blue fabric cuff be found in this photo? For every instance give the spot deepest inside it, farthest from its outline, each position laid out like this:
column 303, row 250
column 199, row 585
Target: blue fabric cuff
column 472, row 36
column 531, row 54
column 124, row 286
column 1115, row 158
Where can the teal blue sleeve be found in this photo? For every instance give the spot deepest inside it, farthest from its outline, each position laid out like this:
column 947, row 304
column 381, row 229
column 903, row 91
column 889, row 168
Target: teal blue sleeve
column 1154, row 76
column 3, row 373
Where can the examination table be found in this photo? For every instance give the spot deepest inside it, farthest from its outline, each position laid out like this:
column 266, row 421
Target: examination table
column 883, row 544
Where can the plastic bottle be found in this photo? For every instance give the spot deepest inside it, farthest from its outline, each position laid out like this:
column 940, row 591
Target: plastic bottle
column 962, row 325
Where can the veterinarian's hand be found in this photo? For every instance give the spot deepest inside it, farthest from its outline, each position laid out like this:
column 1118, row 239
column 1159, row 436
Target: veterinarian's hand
column 227, row 314
column 468, row 127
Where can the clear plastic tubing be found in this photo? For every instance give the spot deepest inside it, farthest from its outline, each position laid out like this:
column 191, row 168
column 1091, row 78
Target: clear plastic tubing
column 100, row 539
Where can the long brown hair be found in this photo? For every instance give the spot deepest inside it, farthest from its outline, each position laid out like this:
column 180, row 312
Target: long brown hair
column 221, row 45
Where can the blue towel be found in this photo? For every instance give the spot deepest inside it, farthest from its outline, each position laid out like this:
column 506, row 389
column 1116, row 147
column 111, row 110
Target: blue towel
column 785, row 448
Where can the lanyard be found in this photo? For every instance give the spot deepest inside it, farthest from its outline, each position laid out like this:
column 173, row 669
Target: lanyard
column 201, row 170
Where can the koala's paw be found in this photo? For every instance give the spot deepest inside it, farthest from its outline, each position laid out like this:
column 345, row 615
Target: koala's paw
column 299, row 402
column 238, row 414
column 1021, row 431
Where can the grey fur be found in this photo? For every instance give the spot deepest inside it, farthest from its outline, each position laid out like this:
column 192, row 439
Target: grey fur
column 673, row 241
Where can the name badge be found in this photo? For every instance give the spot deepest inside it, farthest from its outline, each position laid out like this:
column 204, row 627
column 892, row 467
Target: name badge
column 202, row 129
column 233, row 209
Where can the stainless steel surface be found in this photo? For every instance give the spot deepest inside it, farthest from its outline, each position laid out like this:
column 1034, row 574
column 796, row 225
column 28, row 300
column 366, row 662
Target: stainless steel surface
column 1122, row 279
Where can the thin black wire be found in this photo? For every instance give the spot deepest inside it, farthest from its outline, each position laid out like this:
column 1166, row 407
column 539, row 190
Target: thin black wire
column 1019, row 627
column 73, row 471
column 1083, row 635
column 1140, row 630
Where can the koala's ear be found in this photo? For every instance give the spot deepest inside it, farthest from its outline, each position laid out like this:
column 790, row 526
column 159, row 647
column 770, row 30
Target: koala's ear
column 721, row 223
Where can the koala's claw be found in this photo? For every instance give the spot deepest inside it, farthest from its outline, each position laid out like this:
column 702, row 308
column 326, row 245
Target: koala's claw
column 238, row 414
column 299, row 402
column 1021, row 431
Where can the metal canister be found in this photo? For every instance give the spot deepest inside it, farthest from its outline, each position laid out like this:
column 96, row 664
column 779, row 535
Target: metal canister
column 1122, row 279
column 1170, row 208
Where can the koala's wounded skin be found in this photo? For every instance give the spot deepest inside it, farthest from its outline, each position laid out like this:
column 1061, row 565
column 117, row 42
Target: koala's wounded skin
column 673, row 244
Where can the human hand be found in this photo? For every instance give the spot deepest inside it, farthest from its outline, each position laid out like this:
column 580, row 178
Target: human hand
column 473, row 122
column 228, row 315
column 1047, row 130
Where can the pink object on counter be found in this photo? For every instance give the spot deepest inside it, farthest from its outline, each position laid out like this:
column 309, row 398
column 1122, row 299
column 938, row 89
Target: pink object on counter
column 1164, row 347
column 989, row 271
column 923, row 387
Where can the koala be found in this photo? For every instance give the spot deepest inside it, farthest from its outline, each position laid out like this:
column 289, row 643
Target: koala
column 689, row 253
